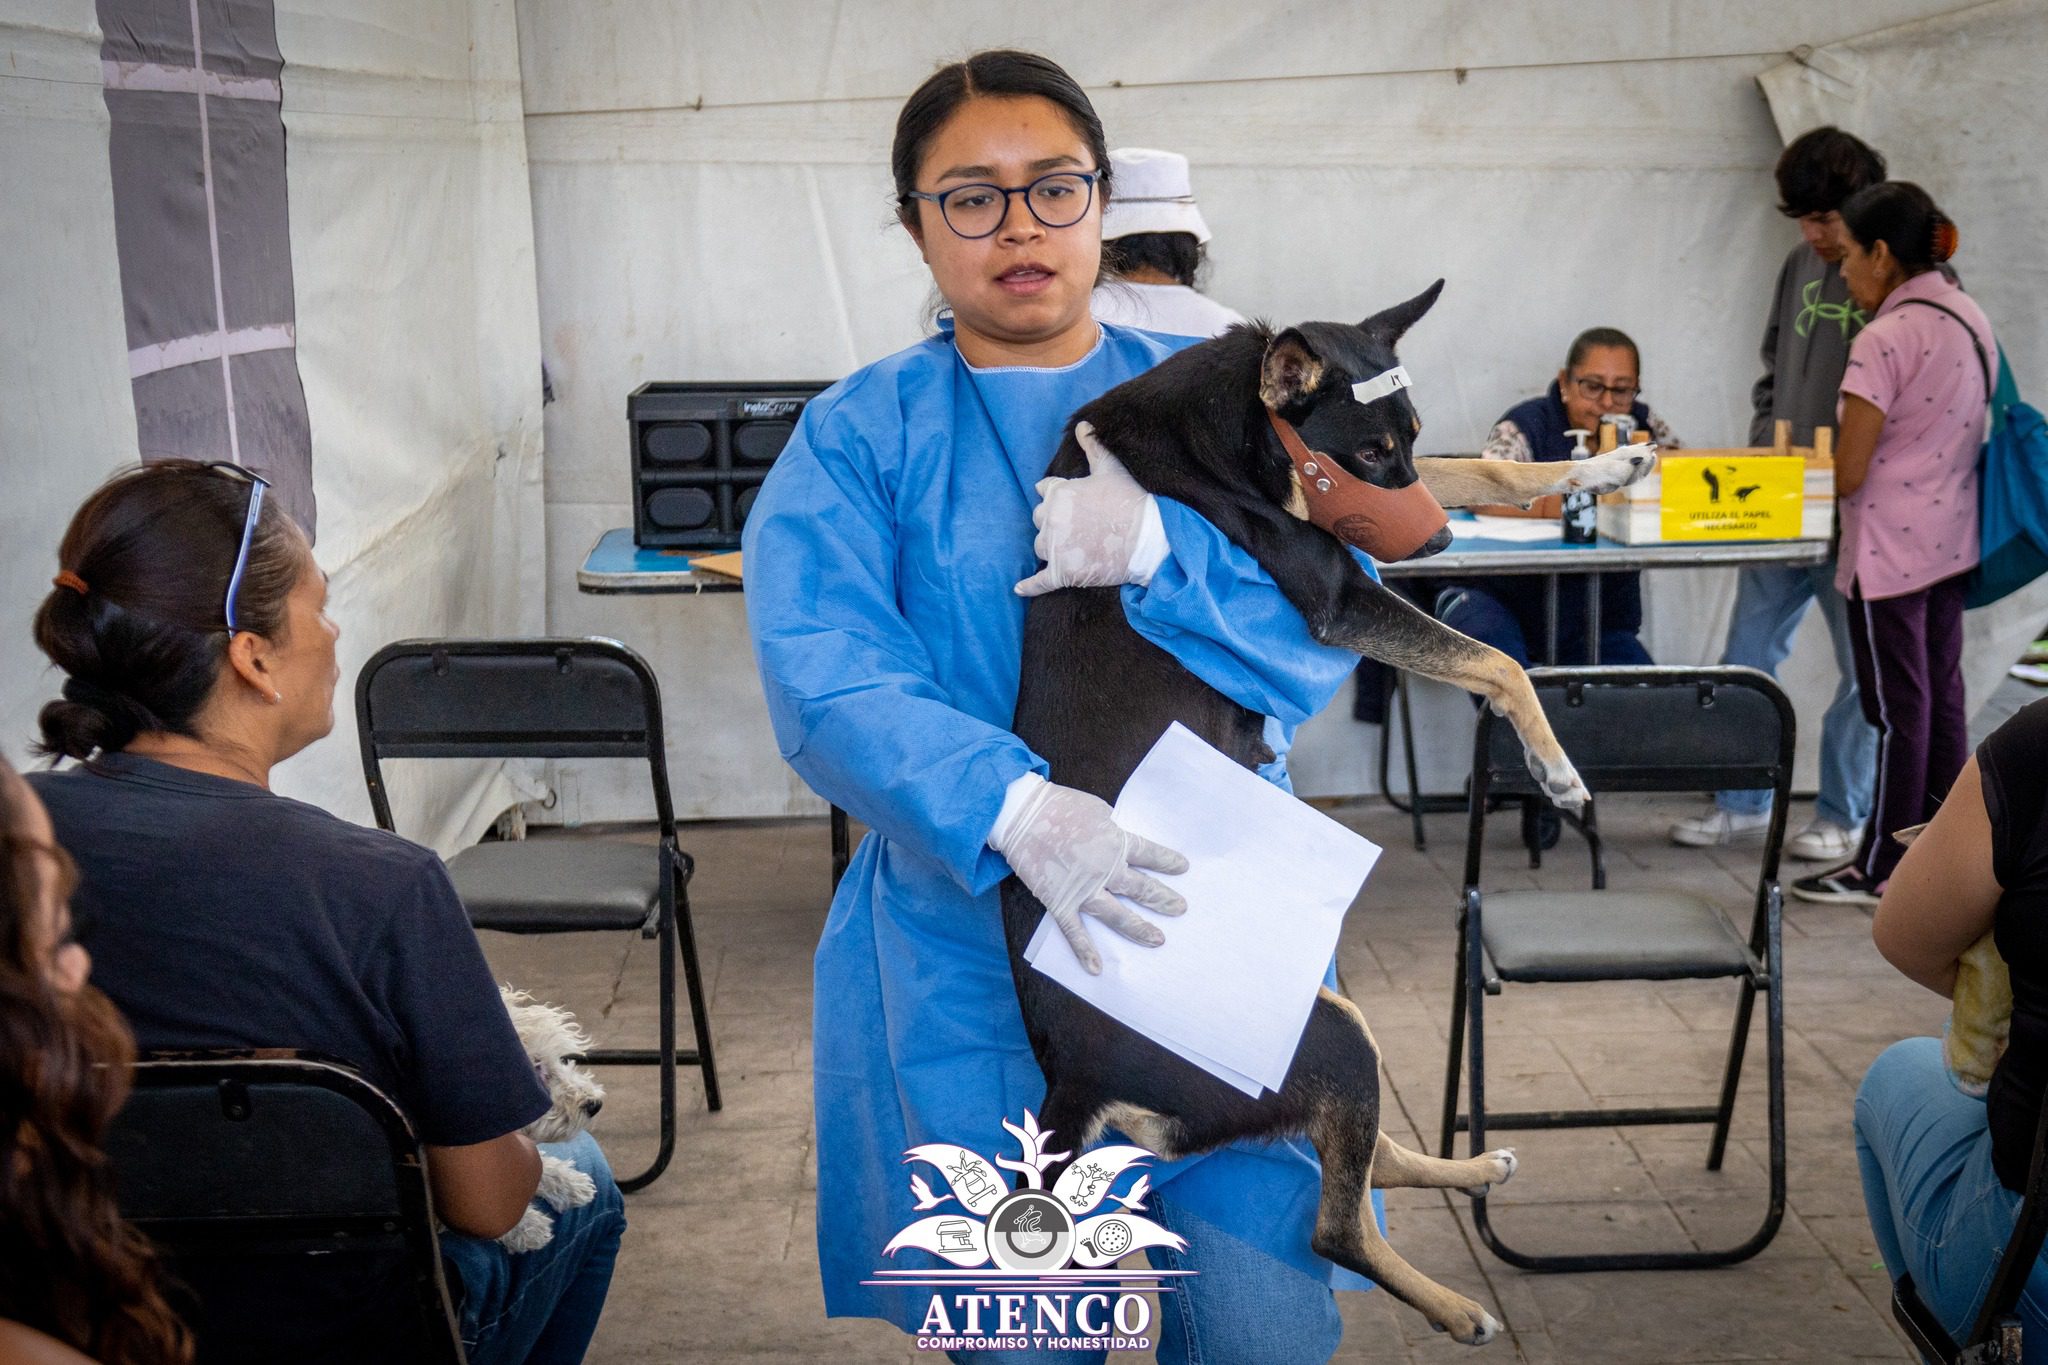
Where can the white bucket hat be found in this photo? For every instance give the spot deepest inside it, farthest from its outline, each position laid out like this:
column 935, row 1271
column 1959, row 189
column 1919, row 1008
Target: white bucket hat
column 1150, row 192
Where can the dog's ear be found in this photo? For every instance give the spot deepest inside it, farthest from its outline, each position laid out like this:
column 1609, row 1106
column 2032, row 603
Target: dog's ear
column 1290, row 372
column 1394, row 323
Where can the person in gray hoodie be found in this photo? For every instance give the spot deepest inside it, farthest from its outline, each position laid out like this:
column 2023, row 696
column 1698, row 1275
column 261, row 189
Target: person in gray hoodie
column 1805, row 350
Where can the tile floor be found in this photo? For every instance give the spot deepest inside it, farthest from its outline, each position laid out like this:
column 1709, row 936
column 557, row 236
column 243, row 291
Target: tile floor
column 720, row 1261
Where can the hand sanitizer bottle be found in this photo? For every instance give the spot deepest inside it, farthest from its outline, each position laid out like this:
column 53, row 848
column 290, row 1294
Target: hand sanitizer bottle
column 1578, row 518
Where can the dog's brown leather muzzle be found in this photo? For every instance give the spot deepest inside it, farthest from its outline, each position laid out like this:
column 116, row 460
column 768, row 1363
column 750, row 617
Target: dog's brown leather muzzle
column 1389, row 524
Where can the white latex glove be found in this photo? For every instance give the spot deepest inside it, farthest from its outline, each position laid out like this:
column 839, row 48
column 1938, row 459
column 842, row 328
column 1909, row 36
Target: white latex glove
column 1068, row 848
column 1100, row 531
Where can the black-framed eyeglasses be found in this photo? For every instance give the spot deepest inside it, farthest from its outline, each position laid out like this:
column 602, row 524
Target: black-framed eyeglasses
column 1591, row 388
column 973, row 211
column 258, row 485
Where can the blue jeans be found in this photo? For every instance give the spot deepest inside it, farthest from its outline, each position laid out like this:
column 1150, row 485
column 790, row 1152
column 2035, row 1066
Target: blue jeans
column 1242, row 1305
column 1935, row 1208
column 1477, row 613
column 1770, row 599
column 541, row 1306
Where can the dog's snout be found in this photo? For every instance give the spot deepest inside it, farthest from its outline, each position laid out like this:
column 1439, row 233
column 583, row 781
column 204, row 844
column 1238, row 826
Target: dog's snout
column 1436, row 544
column 590, row 1108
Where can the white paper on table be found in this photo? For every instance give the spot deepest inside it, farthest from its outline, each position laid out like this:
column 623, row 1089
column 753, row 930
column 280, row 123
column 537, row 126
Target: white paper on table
column 1521, row 530
column 1268, row 882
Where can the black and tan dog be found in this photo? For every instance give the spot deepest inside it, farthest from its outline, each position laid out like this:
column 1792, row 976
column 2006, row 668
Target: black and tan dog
column 1095, row 696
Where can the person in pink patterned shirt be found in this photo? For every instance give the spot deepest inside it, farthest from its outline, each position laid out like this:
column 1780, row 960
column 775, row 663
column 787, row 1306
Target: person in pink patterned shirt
column 1913, row 419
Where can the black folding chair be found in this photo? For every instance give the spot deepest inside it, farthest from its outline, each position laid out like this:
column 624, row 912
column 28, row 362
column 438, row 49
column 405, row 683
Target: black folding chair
column 1630, row 730
column 289, row 1200
column 1994, row 1338
column 551, row 698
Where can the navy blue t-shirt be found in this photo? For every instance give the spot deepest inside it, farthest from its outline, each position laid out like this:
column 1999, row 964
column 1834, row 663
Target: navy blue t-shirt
column 221, row 915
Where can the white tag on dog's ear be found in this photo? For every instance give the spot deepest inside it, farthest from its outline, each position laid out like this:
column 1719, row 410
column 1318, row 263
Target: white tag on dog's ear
column 1381, row 384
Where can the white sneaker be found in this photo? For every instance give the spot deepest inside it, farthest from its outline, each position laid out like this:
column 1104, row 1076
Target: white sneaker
column 1824, row 841
column 1719, row 826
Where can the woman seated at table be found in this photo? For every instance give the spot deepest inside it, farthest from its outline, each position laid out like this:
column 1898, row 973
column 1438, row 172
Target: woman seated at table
column 189, row 621
column 1601, row 375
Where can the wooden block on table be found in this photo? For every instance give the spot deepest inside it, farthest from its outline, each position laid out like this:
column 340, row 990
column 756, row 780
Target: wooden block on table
column 725, row 565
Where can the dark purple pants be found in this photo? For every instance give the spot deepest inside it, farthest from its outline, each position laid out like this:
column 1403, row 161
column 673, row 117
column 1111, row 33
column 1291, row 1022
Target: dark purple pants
column 1909, row 653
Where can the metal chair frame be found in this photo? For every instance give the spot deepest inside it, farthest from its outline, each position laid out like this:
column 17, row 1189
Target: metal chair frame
column 231, row 1074
column 1498, row 766
column 671, row 923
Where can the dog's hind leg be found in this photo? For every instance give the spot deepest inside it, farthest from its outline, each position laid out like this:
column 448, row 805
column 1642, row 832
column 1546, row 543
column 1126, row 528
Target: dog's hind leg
column 1347, row 1233
column 1395, row 1167
column 1338, row 1065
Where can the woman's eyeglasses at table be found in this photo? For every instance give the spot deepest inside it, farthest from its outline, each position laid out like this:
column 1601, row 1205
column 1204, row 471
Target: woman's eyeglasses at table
column 1592, row 388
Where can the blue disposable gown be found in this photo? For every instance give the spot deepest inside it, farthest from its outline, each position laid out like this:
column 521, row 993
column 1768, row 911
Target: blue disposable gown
column 880, row 562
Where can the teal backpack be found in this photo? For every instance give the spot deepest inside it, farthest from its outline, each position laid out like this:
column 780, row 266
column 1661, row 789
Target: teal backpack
column 2012, row 518
column 2012, row 507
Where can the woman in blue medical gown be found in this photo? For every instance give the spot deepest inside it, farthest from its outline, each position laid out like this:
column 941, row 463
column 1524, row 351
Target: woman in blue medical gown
column 882, row 562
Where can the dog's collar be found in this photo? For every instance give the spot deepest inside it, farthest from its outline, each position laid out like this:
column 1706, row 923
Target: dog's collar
column 1387, row 523
column 1381, row 384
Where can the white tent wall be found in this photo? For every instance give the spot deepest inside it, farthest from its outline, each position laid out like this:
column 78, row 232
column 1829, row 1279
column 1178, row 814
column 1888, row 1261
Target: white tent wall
column 412, row 254
column 712, row 201
column 412, row 245
column 1964, row 93
column 69, row 419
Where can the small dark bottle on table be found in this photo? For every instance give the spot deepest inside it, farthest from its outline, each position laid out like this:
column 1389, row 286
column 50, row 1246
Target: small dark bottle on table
column 1577, row 521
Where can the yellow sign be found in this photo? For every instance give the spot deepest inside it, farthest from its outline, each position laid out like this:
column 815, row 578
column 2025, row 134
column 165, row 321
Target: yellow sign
column 1738, row 497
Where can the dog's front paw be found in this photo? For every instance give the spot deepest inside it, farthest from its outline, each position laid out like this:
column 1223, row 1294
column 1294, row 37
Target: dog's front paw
column 1560, row 782
column 1606, row 473
column 563, row 1186
column 1466, row 1321
column 533, row 1231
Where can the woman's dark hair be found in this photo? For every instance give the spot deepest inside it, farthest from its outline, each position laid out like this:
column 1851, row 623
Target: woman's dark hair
column 137, row 617
column 69, row 1266
column 1177, row 255
column 1904, row 217
column 998, row 73
column 1601, row 336
column 1821, row 168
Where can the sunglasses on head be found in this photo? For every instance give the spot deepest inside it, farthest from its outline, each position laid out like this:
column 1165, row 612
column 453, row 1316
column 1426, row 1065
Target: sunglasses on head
column 257, row 486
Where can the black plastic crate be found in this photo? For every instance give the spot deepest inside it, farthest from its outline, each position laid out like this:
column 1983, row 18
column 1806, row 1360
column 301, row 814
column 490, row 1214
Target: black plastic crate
column 700, row 452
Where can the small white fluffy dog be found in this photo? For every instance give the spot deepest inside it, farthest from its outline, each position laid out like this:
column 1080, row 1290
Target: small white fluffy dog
column 552, row 1037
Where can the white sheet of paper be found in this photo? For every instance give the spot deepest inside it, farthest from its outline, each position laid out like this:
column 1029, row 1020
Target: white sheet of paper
column 1521, row 530
column 1268, row 882
column 1215, row 1068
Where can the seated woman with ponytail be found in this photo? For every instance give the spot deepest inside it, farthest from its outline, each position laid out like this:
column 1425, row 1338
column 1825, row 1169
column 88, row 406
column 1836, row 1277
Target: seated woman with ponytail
column 188, row 620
